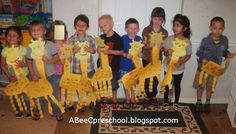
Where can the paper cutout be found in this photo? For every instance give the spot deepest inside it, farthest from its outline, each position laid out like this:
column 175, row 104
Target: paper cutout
column 130, row 79
column 42, row 87
column 82, row 54
column 59, row 32
column 66, row 51
column 154, row 68
column 38, row 49
column 102, row 78
column 179, row 50
column 214, row 70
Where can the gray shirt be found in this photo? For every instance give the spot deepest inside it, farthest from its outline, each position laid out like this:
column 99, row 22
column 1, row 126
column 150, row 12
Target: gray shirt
column 168, row 43
column 50, row 51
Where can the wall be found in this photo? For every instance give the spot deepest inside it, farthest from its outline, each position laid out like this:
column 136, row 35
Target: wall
column 199, row 12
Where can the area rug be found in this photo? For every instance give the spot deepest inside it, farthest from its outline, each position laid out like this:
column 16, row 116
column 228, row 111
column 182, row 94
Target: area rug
column 148, row 120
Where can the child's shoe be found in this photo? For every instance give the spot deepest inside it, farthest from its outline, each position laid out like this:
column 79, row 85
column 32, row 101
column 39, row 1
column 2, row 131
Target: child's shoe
column 207, row 108
column 19, row 115
column 199, row 107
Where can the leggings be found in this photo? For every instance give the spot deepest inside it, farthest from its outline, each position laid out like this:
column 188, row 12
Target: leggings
column 176, row 79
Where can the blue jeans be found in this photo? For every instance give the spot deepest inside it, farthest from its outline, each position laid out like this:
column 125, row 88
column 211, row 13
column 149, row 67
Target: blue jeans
column 27, row 102
column 54, row 81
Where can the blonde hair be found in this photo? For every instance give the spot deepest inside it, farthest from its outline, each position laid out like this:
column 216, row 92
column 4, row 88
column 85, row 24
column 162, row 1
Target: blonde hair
column 107, row 17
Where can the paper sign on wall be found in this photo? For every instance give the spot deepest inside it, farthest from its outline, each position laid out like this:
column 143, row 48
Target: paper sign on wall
column 59, row 32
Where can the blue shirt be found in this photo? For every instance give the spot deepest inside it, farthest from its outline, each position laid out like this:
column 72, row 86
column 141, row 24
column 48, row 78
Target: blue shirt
column 212, row 51
column 127, row 64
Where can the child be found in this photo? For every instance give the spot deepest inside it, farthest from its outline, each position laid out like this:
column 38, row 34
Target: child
column 14, row 37
column 156, row 22
column 37, row 30
column 115, row 50
column 81, row 25
column 58, row 44
column 126, row 65
column 212, row 48
column 181, row 29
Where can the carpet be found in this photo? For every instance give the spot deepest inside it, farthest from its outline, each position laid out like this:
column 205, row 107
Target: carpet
column 148, row 120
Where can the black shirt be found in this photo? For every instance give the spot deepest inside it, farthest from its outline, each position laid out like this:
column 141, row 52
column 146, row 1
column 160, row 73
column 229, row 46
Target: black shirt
column 114, row 43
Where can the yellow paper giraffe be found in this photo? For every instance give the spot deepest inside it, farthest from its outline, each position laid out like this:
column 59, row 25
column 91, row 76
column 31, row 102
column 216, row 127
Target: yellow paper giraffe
column 130, row 79
column 212, row 69
column 85, row 87
column 69, row 82
column 15, row 89
column 154, row 68
column 179, row 50
column 102, row 78
column 42, row 87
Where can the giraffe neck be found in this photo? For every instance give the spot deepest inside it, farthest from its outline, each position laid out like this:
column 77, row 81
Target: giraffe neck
column 104, row 60
column 155, row 55
column 67, row 67
column 136, row 61
column 40, row 67
column 84, row 67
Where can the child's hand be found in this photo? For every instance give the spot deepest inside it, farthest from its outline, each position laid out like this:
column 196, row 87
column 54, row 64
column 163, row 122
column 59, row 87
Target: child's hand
column 140, row 55
column 204, row 61
column 12, row 78
column 89, row 49
column 76, row 49
column 230, row 55
column 169, row 52
column 20, row 64
column 105, row 51
column 46, row 59
column 129, row 56
column 178, row 64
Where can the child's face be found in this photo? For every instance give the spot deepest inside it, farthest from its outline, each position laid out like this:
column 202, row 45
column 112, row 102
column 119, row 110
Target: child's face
column 12, row 38
column 157, row 21
column 37, row 31
column 132, row 29
column 81, row 27
column 105, row 26
column 178, row 28
column 217, row 28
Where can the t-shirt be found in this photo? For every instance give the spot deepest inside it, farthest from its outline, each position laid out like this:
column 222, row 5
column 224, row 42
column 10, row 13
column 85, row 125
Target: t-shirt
column 50, row 51
column 168, row 43
column 125, row 63
column 147, row 50
column 22, row 53
column 114, row 43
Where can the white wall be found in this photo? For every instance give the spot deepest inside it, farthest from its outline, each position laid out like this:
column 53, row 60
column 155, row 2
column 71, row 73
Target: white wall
column 199, row 12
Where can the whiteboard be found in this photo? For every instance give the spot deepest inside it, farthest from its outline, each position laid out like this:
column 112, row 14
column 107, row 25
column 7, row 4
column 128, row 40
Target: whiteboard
column 121, row 10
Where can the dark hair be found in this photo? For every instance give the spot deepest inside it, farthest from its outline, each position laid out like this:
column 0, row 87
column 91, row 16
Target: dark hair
column 217, row 18
column 83, row 18
column 15, row 29
column 183, row 20
column 158, row 12
column 131, row 21
column 36, row 23
column 52, row 29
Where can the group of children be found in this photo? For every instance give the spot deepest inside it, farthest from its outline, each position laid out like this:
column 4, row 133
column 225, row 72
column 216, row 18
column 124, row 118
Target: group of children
column 212, row 48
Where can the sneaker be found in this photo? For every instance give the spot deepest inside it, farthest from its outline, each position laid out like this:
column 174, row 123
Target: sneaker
column 199, row 107
column 176, row 106
column 70, row 108
column 115, row 105
column 166, row 106
column 19, row 115
column 59, row 117
column 207, row 108
column 146, row 102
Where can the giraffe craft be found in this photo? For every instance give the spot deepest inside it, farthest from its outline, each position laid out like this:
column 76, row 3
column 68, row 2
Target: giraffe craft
column 102, row 78
column 212, row 69
column 130, row 79
column 42, row 87
column 69, row 82
column 154, row 68
column 15, row 89
column 179, row 50
column 85, row 87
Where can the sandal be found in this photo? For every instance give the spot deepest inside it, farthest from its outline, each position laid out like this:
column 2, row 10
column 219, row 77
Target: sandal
column 103, row 104
column 115, row 105
column 126, row 105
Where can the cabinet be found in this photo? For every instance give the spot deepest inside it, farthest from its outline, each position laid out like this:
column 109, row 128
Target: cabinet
column 231, row 109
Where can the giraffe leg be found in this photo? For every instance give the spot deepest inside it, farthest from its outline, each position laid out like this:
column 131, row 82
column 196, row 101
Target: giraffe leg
column 68, row 97
column 72, row 97
column 151, row 84
column 109, row 88
column 18, row 102
column 12, row 104
column 23, row 103
column 49, row 105
column 63, row 93
column 39, row 108
column 57, row 103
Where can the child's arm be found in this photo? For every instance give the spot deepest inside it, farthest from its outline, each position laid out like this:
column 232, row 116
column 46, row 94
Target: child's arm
column 29, row 63
column 200, row 51
column 183, row 61
column 55, row 59
column 5, row 70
